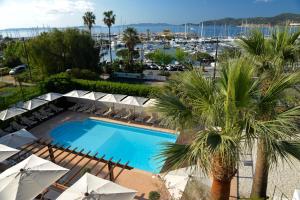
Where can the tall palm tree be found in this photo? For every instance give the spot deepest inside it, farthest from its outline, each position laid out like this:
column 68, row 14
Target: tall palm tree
column 191, row 101
column 89, row 20
column 109, row 19
column 131, row 39
column 271, row 56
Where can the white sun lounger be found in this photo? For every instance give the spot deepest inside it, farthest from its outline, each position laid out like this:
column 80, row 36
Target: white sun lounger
column 27, row 121
column 91, row 109
column 121, row 113
column 17, row 126
column 109, row 112
column 55, row 108
column 39, row 116
column 75, row 107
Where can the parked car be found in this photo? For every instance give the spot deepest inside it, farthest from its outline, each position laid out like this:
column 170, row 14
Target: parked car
column 17, row 69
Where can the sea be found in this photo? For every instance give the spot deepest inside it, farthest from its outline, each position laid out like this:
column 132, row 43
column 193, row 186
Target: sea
column 206, row 31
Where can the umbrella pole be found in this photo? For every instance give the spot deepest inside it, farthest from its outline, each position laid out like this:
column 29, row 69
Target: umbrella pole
column 51, row 153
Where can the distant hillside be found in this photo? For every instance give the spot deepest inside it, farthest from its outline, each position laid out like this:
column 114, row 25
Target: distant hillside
column 281, row 19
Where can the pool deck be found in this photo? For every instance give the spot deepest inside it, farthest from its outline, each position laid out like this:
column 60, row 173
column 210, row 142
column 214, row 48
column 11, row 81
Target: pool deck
column 141, row 181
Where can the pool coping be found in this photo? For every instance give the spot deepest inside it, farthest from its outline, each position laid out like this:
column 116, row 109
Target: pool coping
column 174, row 132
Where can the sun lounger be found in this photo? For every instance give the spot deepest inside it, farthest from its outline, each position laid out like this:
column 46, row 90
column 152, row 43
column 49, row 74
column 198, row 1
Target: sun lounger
column 129, row 115
column 121, row 113
column 100, row 111
column 2, row 133
column 141, row 117
column 75, row 107
column 109, row 112
column 92, row 109
column 9, row 129
column 39, row 116
column 27, row 121
column 55, row 108
column 17, row 126
column 153, row 119
column 83, row 108
column 47, row 112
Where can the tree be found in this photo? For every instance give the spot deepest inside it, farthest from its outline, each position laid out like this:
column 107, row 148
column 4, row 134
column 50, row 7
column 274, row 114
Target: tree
column 89, row 20
column 191, row 101
column 13, row 54
column 131, row 39
column 124, row 54
column 203, row 58
column 56, row 51
column 181, row 56
column 277, row 140
column 160, row 57
column 109, row 19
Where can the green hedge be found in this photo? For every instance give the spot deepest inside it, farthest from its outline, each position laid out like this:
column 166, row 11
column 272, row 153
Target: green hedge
column 62, row 83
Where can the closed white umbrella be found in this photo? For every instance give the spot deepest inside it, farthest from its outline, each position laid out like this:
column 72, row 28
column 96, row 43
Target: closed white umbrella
column 17, row 139
column 90, row 187
column 50, row 96
column 6, row 152
column 93, row 95
column 32, row 104
column 134, row 101
column 10, row 113
column 27, row 179
column 177, row 180
column 76, row 93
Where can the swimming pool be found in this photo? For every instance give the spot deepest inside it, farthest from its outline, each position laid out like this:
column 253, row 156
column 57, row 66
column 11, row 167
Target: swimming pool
column 136, row 145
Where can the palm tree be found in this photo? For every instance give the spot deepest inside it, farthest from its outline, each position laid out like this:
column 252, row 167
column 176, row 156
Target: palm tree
column 89, row 20
column 109, row 19
column 271, row 56
column 131, row 39
column 191, row 101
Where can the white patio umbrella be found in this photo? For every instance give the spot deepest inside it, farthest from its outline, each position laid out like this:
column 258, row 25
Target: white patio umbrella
column 17, row 139
column 150, row 103
column 76, row 93
column 90, row 187
column 177, row 180
column 134, row 101
column 93, row 95
column 50, row 96
column 27, row 179
column 112, row 98
column 10, row 113
column 6, row 152
column 32, row 104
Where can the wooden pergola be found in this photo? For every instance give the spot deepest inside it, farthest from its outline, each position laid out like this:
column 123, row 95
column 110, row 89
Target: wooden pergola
column 73, row 159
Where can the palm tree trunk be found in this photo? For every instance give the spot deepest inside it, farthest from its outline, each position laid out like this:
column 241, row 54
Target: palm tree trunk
column 220, row 190
column 260, row 180
column 109, row 36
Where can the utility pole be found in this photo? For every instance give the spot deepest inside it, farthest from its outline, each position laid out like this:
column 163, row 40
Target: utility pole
column 27, row 58
column 216, row 59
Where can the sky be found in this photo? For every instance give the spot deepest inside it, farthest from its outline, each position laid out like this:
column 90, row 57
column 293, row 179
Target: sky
column 64, row 13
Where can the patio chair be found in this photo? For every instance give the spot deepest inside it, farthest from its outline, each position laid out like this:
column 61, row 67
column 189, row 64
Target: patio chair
column 25, row 121
column 17, row 126
column 55, row 108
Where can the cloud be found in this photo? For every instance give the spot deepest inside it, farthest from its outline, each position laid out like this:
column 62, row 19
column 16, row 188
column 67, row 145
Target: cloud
column 29, row 13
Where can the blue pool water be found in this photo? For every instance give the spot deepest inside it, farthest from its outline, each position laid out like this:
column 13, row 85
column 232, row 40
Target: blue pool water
column 136, row 145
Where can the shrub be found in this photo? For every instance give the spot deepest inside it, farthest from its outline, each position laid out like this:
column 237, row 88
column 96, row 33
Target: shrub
column 154, row 195
column 4, row 71
column 83, row 74
column 63, row 83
